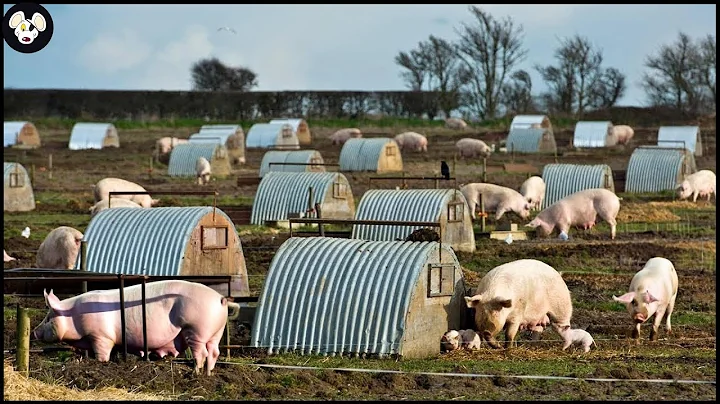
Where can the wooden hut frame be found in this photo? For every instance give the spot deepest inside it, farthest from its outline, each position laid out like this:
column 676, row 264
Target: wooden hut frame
column 301, row 128
column 18, row 193
column 21, row 134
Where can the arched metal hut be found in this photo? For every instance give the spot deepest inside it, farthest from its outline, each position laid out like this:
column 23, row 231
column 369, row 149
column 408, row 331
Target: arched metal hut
column 380, row 155
column 655, row 169
column 531, row 140
column 308, row 157
column 230, row 136
column 20, row 134
column 93, row 136
column 281, row 195
column 562, row 180
column 184, row 156
column 301, row 128
column 272, row 136
column 335, row 296
column 681, row 136
column 447, row 206
column 531, row 121
column 18, row 194
column 593, row 134
column 171, row 241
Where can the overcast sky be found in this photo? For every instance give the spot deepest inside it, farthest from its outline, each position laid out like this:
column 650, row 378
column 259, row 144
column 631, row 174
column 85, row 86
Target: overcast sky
column 319, row 47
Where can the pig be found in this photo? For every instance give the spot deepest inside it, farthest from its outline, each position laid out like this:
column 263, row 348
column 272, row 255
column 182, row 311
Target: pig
column 520, row 294
column 579, row 337
column 180, row 315
column 533, row 189
column 60, row 248
column 579, row 209
column 468, row 339
column 116, row 203
column 455, row 123
column 537, row 328
column 411, row 141
column 467, row 147
column 164, row 146
column 203, row 170
column 701, row 183
column 341, row 136
column 496, row 199
column 8, row 258
column 102, row 190
column 622, row 133
column 652, row 291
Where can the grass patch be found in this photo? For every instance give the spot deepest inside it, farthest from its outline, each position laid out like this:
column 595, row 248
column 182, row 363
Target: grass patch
column 694, row 318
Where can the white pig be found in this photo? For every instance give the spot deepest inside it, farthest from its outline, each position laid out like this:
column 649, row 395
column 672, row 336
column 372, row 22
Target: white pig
column 520, row 294
column 701, row 183
column 622, row 133
column 102, row 190
column 60, row 248
column 468, row 147
column 533, row 189
column 116, row 203
column 7, row 257
column 455, row 123
column 412, row 141
column 496, row 199
column 652, row 291
column 454, row 339
column 203, row 170
column 341, row 136
column 576, row 336
column 579, row 209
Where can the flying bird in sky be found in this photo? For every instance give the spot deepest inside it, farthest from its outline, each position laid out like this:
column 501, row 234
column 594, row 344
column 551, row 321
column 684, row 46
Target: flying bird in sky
column 444, row 170
column 227, row 29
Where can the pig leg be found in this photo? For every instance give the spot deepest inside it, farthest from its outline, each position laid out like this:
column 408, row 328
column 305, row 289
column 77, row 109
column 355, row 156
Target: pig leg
column 567, row 343
column 636, row 331
column 102, row 348
column 490, row 340
column 668, row 313
column 510, row 333
column 500, row 212
column 198, row 348
column 213, row 351
column 656, row 322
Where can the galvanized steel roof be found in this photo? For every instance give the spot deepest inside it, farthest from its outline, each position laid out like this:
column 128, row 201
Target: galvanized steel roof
column 15, row 167
column 184, row 156
column 293, row 156
column 526, row 140
column 89, row 135
column 525, row 121
column 263, row 135
column 148, row 241
column 334, row 296
column 362, row 154
column 217, row 136
column 11, row 130
column 562, row 180
column 280, row 193
column 416, row 205
column 679, row 136
column 591, row 133
column 655, row 169
column 224, row 127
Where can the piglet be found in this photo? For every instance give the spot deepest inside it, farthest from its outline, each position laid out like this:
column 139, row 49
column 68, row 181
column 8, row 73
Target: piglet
column 579, row 337
column 468, row 339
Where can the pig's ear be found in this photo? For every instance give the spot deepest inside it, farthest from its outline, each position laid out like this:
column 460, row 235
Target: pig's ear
column 533, row 223
column 472, row 301
column 626, row 298
column 51, row 300
column 500, row 303
column 649, row 298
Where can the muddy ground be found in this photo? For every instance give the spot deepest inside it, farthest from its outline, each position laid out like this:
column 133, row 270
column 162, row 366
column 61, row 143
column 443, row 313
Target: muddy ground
column 594, row 269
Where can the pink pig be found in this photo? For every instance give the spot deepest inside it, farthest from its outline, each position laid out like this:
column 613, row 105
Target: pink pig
column 180, row 314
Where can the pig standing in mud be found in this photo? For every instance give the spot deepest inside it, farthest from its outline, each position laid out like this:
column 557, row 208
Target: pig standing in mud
column 533, row 189
column 60, row 248
column 652, row 291
column 412, row 141
column 181, row 314
column 699, row 184
column 496, row 199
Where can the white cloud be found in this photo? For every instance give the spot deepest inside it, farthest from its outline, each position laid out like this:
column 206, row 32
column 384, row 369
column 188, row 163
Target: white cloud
column 110, row 53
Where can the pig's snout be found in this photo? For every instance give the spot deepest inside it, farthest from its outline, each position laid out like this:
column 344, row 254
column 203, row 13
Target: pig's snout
column 639, row 318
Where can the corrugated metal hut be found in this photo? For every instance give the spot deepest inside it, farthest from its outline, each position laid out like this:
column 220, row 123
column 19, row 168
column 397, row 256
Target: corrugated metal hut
column 531, row 121
column 301, row 128
column 447, row 206
column 21, row 134
column 18, row 194
column 184, row 156
column 681, row 136
column 291, row 156
column 335, row 296
column 93, row 136
column 531, row 140
column 593, row 134
column 655, row 169
column 562, row 180
column 170, row 241
column 380, row 155
column 272, row 136
column 230, row 136
column 281, row 195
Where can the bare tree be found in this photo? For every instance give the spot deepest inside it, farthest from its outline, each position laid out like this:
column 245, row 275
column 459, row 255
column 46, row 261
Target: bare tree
column 416, row 68
column 706, row 67
column 489, row 50
column 516, row 95
column 213, row 75
column 607, row 89
column 446, row 75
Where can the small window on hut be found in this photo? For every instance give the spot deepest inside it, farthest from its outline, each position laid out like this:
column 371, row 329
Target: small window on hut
column 314, row 161
column 441, row 280
column 339, row 190
column 390, row 150
column 16, row 180
column 456, row 211
column 286, row 132
column 214, row 237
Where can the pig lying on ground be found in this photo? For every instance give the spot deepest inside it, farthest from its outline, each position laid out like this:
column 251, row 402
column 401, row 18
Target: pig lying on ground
column 203, row 170
column 520, row 294
column 579, row 209
column 576, row 336
column 7, row 257
column 468, row 339
column 181, row 314
column 652, row 291
column 411, row 141
column 622, row 133
column 467, row 147
column 116, row 203
column 102, row 190
column 341, row 136
column 455, row 123
column 701, row 183
column 60, row 249
column 496, row 199
column 533, row 189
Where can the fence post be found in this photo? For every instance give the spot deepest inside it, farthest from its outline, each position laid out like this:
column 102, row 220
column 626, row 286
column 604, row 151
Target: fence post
column 23, row 341
column 83, row 262
column 32, row 174
column 318, row 210
column 482, row 212
column 50, row 169
column 484, row 169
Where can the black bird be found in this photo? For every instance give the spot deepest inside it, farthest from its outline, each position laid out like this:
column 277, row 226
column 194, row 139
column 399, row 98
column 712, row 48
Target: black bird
column 445, row 170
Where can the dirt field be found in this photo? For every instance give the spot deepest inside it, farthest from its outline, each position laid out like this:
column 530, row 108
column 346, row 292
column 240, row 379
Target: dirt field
column 594, row 268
